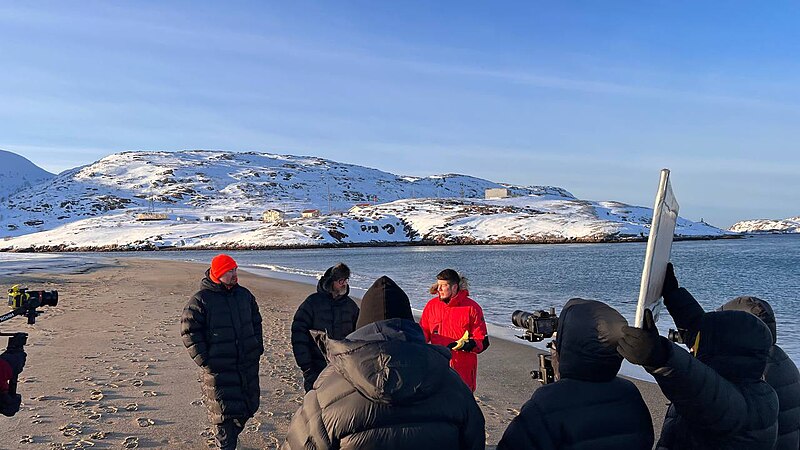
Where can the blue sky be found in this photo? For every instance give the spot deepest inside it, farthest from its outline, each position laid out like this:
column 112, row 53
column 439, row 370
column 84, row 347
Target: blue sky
column 594, row 97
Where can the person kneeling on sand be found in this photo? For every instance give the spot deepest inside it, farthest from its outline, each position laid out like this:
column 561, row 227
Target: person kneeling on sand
column 385, row 388
column 719, row 399
column 221, row 328
column 589, row 406
column 329, row 311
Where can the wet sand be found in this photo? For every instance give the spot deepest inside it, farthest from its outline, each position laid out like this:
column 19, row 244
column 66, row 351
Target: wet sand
column 107, row 368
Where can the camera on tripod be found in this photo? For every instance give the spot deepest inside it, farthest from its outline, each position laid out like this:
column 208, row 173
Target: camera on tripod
column 24, row 302
column 539, row 325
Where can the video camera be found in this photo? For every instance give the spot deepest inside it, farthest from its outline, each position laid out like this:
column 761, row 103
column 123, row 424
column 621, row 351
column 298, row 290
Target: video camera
column 539, row 325
column 22, row 303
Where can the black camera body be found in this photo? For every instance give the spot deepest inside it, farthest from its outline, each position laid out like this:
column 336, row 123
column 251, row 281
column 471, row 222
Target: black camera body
column 539, row 325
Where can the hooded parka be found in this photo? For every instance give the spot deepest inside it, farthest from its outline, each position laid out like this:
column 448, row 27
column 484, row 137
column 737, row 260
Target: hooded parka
column 719, row 398
column 445, row 322
column 386, row 389
column 221, row 328
column 320, row 312
column 589, row 407
column 781, row 373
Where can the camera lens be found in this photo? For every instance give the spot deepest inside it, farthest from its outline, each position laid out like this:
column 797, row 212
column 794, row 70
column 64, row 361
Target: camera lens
column 521, row 319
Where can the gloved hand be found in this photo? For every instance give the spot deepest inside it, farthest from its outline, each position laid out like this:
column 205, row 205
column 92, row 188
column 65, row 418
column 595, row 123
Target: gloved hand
column 465, row 344
column 643, row 346
column 16, row 359
column 670, row 282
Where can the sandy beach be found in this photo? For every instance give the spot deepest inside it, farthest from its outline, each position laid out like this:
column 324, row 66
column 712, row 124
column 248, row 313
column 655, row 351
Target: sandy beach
column 107, row 368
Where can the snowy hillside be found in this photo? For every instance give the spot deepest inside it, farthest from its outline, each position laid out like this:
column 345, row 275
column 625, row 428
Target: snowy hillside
column 223, row 184
column 215, row 200
column 17, row 173
column 790, row 225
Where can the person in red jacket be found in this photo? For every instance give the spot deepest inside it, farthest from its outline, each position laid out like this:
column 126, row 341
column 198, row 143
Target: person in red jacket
column 456, row 321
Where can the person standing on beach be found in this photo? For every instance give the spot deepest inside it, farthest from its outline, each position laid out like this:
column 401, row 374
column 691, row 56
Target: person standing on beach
column 329, row 311
column 589, row 406
column 719, row 399
column 221, row 328
column 385, row 388
column 456, row 321
column 781, row 372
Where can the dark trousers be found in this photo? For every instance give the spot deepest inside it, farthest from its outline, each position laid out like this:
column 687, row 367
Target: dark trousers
column 227, row 433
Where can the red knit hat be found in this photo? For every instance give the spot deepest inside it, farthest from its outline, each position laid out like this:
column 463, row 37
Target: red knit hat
column 219, row 265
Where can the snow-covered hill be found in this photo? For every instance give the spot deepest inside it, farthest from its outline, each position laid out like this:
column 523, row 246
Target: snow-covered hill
column 790, row 225
column 223, row 183
column 215, row 200
column 17, row 173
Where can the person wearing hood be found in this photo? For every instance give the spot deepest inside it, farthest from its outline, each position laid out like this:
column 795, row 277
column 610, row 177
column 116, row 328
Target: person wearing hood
column 588, row 406
column 385, row 388
column 221, row 329
column 454, row 320
column 719, row 399
column 331, row 311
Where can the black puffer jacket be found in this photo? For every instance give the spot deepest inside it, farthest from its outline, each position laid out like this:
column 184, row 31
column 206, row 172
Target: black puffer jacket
column 320, row 312
column 719, row 399
column 589, row 407
column 221, row 328
column 387, row 389
column 781, row 373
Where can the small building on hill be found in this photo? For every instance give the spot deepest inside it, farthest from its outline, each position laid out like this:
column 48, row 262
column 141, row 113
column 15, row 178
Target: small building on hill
column 358, row 207
column 496, row 193
column 308, row 213
column 272, row 215
column 147, row 216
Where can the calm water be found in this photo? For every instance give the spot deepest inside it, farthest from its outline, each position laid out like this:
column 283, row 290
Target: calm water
column 505, row 278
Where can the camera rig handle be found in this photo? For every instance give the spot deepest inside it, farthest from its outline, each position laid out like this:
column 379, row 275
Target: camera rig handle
column 21, row 311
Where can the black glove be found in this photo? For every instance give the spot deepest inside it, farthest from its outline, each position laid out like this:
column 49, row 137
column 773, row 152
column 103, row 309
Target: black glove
column 670, row 282
column 9, row 404
column 643, row 346
column 466, row 346
column 16, row 359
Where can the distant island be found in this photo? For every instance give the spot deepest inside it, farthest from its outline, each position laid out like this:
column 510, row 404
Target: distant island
column 768, row 226
column 225, row 200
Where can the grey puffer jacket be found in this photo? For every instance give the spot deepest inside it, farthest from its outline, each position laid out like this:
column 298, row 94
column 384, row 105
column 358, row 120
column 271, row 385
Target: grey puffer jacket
column 320, row 312
column 719, row 399
column 589, row 407
column 221, row 329
column 386, row 389
column 781, row 373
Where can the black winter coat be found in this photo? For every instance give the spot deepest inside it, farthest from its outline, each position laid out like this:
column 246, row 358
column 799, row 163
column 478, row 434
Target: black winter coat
column 320, row 312
column 221, row 328
column 387, row 389
column 589, row 407
column 719, row 399
column 781, row 374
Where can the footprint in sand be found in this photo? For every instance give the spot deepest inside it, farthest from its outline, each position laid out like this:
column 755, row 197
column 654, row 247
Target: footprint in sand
column 26, row 439
column 70, row 430
column 130, row 442
column 132, row 407
column 144, row 422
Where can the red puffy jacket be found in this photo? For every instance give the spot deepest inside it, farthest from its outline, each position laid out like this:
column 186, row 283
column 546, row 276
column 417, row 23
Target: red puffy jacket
column 444, row 323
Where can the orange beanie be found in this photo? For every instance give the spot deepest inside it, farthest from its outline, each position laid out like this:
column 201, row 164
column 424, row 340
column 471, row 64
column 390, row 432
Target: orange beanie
column 219, row 265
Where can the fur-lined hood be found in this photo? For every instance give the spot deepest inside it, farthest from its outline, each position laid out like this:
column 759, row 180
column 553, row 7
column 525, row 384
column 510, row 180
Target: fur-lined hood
column 463, row 285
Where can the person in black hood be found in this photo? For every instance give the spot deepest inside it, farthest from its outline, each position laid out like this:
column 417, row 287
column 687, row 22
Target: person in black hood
column 385, row 388
column 781, row 373
column 221, row 329
column 718, row 397
column 589, row 406
column 329, row 311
